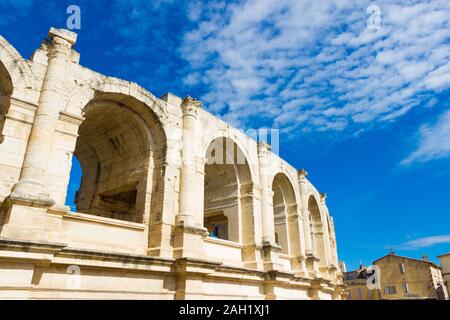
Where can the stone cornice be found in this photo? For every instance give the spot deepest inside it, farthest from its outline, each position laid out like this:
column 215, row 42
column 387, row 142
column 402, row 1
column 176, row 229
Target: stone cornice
column 30, row 246
column 70, row 118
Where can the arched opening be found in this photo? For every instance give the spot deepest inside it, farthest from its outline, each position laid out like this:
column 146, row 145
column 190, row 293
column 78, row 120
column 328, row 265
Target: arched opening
column 76, row 174
column 6, row 89
column 118, row 145
column 283, row 203
column 227, row 206
column 217, row 225
column 316, row 227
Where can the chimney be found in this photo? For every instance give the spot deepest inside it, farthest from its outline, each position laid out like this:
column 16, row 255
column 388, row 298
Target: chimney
column 425, row 258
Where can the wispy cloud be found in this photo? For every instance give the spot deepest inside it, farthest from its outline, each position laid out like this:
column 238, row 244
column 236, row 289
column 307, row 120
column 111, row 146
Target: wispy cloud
column 314, row 65
column 434, row 141
column 420, row 243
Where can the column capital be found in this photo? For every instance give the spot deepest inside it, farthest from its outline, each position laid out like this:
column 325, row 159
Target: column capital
column 323, row 197
column 62, row 42
column 190, row 106
column 69, row 36
column 302, row 174
column 263, row 148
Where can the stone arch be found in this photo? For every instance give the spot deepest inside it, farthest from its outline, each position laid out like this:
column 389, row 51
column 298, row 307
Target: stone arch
column 209, row 138
column 6, row 86
column 16, row 79
column 88, row 90
column 284, row 206
column 228, row 190
column 121, row 147
column 6, row 89
column 23, row 84
column 317, row 229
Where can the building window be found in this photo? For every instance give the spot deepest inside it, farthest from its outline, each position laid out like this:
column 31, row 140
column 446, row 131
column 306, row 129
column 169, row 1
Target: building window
column 402, row 268
column 405, row 287
column 390, row 290
column 351, row 275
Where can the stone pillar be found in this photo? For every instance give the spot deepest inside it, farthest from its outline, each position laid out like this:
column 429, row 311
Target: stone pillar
column 189, row 231
column 29, row 200
column 326, row 238
column 296, row 231
column 311, row 259
column 303, row 183
column 332, row 267
column 270, row 249
column 251, row 250
column 333, row 243
column 32, row 187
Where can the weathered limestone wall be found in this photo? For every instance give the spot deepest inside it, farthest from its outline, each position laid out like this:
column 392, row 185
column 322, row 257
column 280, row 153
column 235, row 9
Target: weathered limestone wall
column 445, row 265
column 148, row 194
column 421, row 277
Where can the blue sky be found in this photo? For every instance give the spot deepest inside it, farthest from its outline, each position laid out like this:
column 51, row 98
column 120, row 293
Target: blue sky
column 365, row 111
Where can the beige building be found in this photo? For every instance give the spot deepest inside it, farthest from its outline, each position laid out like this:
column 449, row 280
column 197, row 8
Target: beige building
column 445, row 265
column 174, row 203
column 357, row 288
column 408, row 278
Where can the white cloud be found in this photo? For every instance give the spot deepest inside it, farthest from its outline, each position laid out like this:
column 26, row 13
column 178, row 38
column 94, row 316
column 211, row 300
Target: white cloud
column 425, row 242
column 434, row 141
column 314, row 65
column 439, row 78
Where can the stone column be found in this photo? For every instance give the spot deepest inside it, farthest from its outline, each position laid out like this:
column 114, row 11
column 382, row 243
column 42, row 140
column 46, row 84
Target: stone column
column 270, row 249
column 164, row 196
column 326, row 238
column 311, row 259
column 189, row 231
column 32, row 187
column 333, row 243
column 251, row 249
column 303, row 183
column 296, row 232
column 331, row 267
column 29, row 200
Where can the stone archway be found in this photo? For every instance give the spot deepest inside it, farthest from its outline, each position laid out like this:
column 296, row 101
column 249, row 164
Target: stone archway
column 6, row 86
column 81, row 95
column 228, row 204
column 18, row 72
column 284, row 205
column 121, row 148
column 6, row 89
column 316, row 229
column 15, row 78
column 17, row 89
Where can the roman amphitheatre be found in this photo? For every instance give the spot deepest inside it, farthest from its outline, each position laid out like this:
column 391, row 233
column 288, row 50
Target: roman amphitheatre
column 155, row 217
